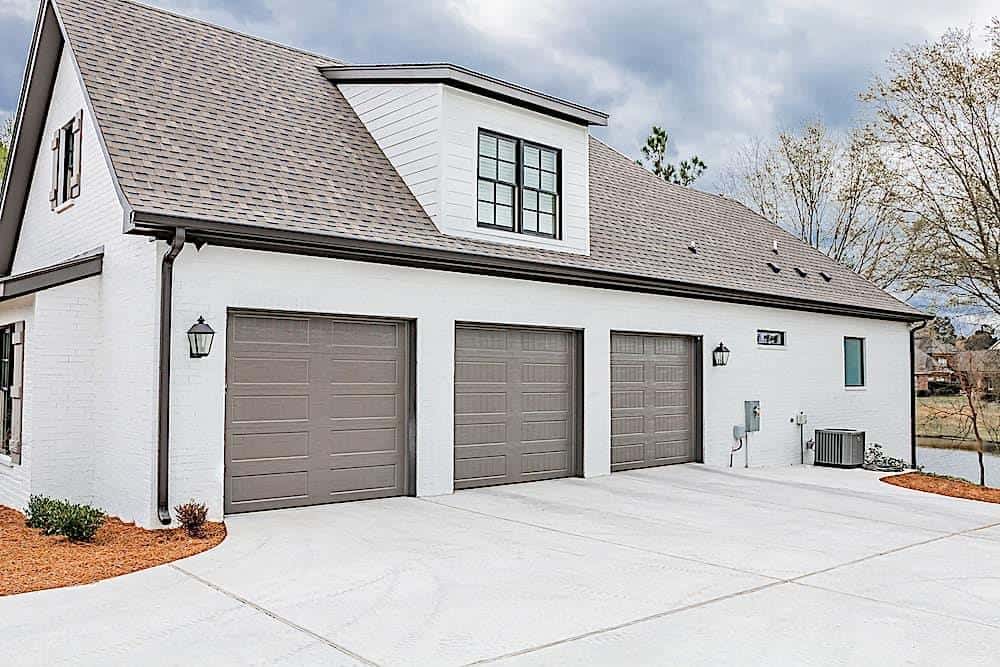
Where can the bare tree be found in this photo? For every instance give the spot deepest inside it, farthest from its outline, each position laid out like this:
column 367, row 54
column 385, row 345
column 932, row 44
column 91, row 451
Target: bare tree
column 937, row 125
column 836, row 195
column 975, row 415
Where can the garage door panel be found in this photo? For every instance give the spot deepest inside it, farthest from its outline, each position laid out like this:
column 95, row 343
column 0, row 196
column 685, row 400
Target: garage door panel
column 269, row 487
column 364, row 406
column 372, row 371
column 270, row 408
column 480, row 470
column 270, row 331
column 279, row 444
column 652, row 401
column 545, row 462
column 491, row 432
column 364, row 440
column 364, row 334
column 484, row 403
column 342, row 429
column 359, row 478
column 482, row 372
column 478, row 341
column 514, row 405
column 255, row 370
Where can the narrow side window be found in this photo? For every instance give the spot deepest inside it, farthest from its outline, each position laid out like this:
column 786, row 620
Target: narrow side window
column 854, row 362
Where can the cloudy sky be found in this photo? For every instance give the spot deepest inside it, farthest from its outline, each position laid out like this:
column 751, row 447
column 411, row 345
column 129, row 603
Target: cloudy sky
column 715, row 74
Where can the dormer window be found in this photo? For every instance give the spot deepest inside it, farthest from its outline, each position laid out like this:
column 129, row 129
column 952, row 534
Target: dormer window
column 518, row 187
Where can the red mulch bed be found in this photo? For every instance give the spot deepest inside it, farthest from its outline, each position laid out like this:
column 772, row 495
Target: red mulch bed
column 944, row 486
column 32, row 561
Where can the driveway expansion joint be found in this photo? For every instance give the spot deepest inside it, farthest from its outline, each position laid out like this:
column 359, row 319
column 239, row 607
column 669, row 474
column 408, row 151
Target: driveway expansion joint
column 280, row 619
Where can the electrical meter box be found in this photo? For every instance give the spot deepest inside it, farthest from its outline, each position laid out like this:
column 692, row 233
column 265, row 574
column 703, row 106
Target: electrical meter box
column 752, row 420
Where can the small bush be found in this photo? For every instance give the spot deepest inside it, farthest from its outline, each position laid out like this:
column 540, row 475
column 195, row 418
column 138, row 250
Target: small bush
column 80, row 522
column 41, row 513
column 60, row 517
column 192, row 516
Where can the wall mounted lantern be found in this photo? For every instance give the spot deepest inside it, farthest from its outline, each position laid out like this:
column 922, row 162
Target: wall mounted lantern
column 200, row 337
column 720, row 355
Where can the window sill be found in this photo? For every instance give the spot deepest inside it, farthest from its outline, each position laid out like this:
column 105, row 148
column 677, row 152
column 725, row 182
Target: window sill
column 855, row 388
column 7, row 462
column 65, row 205
column 772, row 347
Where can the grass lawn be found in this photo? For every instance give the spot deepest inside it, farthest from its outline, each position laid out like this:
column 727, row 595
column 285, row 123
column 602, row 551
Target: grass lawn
column 944, row 416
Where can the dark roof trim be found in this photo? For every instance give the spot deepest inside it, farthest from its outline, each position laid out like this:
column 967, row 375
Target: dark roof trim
column 36, row 92
column 321, row 245
column 69, row 271
column 466, row 79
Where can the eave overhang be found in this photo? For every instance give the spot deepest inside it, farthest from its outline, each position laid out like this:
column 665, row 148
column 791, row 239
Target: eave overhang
column 466, row 79
column 253, row 237
column 36, row 91
column 55, row 275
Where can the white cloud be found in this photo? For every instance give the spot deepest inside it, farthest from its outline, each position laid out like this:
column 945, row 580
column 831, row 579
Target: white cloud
column 24, row 10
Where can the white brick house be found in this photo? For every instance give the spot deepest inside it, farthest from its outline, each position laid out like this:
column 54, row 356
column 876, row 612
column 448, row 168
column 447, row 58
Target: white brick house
column 421, row 279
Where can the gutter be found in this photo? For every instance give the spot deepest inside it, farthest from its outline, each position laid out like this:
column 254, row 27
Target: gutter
column 163, row 424
column 913, row 395
column 256, row 237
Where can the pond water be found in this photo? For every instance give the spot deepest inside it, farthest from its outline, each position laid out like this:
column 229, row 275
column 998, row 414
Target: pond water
column 959, row 463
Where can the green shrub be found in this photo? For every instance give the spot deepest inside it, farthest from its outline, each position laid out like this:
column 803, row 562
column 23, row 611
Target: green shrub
column 80, row 522
column 192, row 516
column 61, row 517
column 41, row 513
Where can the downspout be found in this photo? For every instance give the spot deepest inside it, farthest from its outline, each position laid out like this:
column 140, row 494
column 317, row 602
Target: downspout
column 163, row 430
column 913, row 394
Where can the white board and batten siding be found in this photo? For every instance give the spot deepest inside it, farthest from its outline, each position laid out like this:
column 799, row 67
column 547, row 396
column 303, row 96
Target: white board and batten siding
column 430, row 134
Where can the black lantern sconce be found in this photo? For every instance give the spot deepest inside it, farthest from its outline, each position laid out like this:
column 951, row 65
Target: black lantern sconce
column 200, row 337
column 720, row 355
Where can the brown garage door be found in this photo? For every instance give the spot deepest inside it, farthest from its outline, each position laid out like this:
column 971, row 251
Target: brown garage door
column 653, row 411
column 515, row 405
column 316, row 410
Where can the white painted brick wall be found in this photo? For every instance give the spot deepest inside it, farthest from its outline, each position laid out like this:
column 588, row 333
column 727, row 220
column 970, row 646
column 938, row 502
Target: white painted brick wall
column 807, row 375
column 61, row 356
column 128, row 361
column 48, row 237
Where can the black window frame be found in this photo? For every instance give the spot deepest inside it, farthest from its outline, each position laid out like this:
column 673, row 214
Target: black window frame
column 861, row 364
column 780, row 334
column 519, row 186
column 67, row 161
column 6, row 387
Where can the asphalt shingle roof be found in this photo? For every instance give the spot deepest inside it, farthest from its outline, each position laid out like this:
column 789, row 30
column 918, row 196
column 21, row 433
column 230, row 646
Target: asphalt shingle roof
column 207, row 123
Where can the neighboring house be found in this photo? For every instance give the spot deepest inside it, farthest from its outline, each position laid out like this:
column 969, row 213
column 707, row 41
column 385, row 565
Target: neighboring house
column 421, row 278
column 932, row 364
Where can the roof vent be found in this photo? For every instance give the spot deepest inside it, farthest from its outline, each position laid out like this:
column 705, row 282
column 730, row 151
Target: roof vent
column 802, row 274
column 692, row 247
column 826, row 276
column 774, row 247
column 774, row 267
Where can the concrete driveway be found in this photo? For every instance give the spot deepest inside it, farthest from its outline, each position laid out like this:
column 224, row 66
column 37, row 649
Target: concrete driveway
column 679, row 565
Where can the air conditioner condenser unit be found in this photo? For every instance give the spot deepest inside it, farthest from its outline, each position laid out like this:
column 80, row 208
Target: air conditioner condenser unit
column 840, row 448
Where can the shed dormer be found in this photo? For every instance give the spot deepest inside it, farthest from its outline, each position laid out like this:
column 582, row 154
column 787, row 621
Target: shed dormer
column 487, row 159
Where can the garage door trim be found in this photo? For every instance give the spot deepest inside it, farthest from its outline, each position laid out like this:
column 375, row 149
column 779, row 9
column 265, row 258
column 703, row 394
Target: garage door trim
column 697, row 390
column 409, row 333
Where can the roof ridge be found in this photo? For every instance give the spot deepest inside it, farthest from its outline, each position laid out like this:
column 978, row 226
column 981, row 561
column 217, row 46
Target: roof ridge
column 215, row 26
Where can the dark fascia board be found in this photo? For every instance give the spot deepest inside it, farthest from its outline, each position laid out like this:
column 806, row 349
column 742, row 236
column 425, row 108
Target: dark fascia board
column 69, row 271
column 36, row 92
column 253, row 237
column 466, row 79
